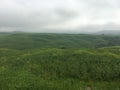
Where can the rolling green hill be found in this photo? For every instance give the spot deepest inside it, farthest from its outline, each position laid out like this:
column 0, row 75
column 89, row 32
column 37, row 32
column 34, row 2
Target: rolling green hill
column 28, row 41
column 59, row 62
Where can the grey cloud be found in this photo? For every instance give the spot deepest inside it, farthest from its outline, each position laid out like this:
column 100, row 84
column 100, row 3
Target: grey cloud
column 34, row 18
column 49, row 15
column 100, row 4
column 66, row 13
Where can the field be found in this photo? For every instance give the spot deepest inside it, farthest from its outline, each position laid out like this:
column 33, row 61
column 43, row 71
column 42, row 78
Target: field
column 59, row 62
column 37, row 40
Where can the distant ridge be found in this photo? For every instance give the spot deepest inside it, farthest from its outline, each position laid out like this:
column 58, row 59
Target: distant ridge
column 12, row 32
column 108, row 32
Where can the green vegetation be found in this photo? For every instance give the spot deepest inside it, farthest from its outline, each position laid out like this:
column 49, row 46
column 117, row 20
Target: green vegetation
column 59, row 62
column 30, row 41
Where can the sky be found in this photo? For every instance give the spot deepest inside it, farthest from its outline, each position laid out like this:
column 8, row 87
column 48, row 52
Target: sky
column 58, row 16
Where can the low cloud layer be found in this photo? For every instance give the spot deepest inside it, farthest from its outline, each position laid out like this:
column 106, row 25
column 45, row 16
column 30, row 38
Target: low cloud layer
column 59, row 15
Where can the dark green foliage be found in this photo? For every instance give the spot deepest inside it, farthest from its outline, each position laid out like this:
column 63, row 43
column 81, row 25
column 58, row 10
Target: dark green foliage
column 28, row 41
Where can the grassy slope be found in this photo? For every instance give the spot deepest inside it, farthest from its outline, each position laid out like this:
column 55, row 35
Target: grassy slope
column 59, row 69
column 28, row 41
column 45, row 64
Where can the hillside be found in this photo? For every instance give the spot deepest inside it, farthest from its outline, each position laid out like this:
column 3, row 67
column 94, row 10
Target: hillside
column 31, row 61
column 59, row 69
column 30, row 40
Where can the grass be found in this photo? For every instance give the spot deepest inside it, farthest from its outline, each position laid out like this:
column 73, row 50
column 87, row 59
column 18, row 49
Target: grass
column 59, row 62
column 59, row 69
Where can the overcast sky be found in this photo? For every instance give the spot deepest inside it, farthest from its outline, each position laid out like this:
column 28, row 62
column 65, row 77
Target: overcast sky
column 59, row 15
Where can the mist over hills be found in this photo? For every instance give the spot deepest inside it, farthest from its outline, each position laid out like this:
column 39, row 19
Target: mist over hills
column 109, row 32
column 102, row 32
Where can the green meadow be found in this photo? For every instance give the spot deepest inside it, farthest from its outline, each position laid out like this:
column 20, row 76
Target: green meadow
column 30, row 61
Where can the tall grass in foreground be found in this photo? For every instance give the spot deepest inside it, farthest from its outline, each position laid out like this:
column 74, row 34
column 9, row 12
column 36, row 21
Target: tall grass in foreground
column 60, row 69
